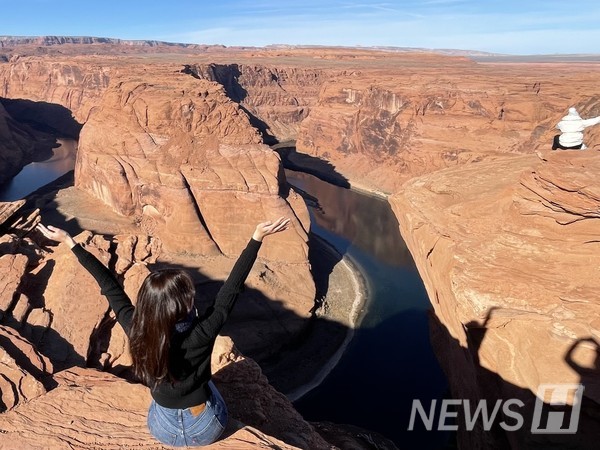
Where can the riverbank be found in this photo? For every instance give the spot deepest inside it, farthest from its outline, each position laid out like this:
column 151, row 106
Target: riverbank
column 332, row 327
column 40, row 173
column 363, row 189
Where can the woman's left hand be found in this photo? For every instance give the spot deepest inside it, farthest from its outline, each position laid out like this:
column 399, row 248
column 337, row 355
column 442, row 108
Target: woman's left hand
column 266, row 228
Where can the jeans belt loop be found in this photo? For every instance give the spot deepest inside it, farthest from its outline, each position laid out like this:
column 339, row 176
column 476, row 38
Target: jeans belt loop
column 197, row 410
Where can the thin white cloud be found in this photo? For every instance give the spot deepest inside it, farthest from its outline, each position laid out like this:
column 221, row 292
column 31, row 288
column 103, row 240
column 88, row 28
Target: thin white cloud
column 379, row 8
column 443, row 2
column 370, row 24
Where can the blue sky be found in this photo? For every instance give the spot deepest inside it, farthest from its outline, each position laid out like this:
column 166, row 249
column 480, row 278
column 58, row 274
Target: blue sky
column 515, row 27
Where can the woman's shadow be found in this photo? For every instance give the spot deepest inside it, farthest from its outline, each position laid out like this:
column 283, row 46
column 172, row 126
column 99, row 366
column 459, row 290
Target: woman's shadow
column 555, row 421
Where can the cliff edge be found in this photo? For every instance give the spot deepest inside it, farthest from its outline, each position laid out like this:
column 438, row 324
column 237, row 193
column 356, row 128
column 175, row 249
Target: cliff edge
column 508, row 252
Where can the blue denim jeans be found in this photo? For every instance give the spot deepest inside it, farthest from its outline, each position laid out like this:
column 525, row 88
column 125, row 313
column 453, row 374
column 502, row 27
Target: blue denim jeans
column 180, row 428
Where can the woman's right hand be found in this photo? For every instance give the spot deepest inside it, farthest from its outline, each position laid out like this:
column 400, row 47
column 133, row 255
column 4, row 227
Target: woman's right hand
column 266, row 228
column 56, row 234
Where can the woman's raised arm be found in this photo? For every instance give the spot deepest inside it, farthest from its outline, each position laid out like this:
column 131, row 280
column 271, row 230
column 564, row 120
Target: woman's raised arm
column 218, row 313
column 109, row 286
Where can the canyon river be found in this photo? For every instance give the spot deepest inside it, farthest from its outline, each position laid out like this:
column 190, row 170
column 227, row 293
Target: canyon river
column 389, row 362
column 37, row 174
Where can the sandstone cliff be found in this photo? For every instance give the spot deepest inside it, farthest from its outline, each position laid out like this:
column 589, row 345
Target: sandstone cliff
column 76, row 86
column 175, row 143
column 379, row 118
column 82, row 41
column 381, row 129
column 180, row 157
column 507, row 251
column 277, row 98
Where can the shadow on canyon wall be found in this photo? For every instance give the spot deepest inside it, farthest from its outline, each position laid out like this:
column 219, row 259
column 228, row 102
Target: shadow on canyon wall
column 318, row 167
column 33, row 131
column 45, row 117
column 366, row 222
column 470, row 381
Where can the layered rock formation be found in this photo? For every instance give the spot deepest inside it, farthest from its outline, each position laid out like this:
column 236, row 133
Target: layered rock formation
column 88, row 409
column 179, row 156
column 77, row 86
column 148, row 147
column 175, row 143
column 277, row 98
column 507, row 251
column 380, row 130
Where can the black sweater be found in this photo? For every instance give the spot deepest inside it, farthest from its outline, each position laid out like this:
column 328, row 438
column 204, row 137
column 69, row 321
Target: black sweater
column 190, row 351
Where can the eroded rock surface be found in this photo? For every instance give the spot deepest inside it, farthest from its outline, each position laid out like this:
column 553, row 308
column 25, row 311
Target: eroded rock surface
column 23, row 370
column 178, row 155
column 48, row 336
column 381, row 129
column 508, row 253
column 184, row 158
column 277, row 98
column 96, row 410
column 73, row 84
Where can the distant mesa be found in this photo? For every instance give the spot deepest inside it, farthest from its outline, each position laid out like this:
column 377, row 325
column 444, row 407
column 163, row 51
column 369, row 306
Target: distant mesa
column 13, row 41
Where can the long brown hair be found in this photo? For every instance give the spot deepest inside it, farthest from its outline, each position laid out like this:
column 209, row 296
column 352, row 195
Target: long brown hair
column 165, row 297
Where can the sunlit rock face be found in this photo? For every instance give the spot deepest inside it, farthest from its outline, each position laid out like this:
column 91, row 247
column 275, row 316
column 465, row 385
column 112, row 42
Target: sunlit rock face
column 77, row 85
column 183, row 158
column 381, row 128
column 180, row 157
column 277, row 97
column 508, row 253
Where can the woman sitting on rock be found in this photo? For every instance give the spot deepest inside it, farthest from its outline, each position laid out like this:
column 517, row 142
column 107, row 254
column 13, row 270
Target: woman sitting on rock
column 571, row 127
column 170, row 344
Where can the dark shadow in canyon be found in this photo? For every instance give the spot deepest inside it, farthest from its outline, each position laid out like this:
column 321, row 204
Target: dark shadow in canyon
column 472, row 382
column 45, row 117
column 36, row 128
column 320, row 168
column 375, row 230
column 373, row 397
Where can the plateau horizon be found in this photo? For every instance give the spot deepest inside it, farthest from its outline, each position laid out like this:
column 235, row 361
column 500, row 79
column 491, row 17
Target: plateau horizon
column 11, row 42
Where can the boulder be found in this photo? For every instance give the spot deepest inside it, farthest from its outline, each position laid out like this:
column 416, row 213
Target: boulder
column 22, row 370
